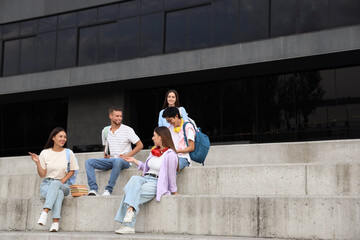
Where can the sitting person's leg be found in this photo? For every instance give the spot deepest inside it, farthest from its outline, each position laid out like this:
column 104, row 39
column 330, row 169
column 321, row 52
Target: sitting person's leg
column 183, row 162
column 91, row 165
column 138, row 190
column 118, row 164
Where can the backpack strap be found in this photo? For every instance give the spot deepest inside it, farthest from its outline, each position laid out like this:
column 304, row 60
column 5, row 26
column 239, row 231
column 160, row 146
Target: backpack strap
column 186, row 140
column 106, row 131
column 68, row 158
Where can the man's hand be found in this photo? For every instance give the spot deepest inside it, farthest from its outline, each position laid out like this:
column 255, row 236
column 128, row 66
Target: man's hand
column 106, row 156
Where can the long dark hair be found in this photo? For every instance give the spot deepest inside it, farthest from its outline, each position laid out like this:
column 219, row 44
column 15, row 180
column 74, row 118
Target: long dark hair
column 54, row 132
column 177, row 101
column 165, row 135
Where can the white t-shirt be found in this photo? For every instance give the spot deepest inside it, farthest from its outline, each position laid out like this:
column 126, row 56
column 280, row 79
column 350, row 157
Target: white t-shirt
column 176, row 137
column 56, row 164
column 155, row 163
column 120, row 141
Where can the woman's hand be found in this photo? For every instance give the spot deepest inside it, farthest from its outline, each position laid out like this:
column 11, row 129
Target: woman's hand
column 130, row 159
column 174, row 193
column 34, row 157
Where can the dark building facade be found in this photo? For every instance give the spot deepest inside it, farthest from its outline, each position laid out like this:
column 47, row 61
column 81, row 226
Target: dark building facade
column 247, row 71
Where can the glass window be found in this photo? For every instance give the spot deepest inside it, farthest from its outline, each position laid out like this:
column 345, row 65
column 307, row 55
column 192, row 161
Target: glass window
column 128, row 38
column 283, row 17
column 46, row 51
column 66, row 48
column 254, row 19
column 170, row 4
column 67, row 20
column 11, row 57
column 87, row 45
column 313, row 15
column 151, row 6
column 199, row 27
column 47, row 24
column 28, row 55
column 28, row 27
column 151, row 30
column 226, row 22
column 175, row 31
column 10, row 30
column 108, row 13
column 87, row 17
column 129, row 8
column 198, row 1
column 344, row 12
column 107, row 42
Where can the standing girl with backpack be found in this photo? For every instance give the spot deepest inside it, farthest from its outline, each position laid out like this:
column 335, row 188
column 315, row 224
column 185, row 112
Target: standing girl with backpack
column 52, row 165
column 171, row 100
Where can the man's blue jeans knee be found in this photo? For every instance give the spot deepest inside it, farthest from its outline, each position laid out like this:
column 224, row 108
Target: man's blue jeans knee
column 116, row 164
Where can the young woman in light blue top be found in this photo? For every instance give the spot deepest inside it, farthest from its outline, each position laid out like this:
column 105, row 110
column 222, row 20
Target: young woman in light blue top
column 171, row 100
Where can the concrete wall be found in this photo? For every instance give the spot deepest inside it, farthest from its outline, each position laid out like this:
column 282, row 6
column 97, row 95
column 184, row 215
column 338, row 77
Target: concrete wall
column 88, row 114
column 15, row 10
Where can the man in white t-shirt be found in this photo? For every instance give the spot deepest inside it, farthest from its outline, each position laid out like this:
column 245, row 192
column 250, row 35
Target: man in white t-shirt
column 172, row 116
column 117, row 139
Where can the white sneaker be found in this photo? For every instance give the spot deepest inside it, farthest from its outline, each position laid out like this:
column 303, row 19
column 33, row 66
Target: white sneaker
column 42, row 218
column 125, row 230
column 93, row 193
column 54, row 227
column 106, row 193
column 129, row 216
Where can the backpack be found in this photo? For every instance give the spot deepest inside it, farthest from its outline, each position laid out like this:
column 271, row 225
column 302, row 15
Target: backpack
column 202, row 145
column 72, row 179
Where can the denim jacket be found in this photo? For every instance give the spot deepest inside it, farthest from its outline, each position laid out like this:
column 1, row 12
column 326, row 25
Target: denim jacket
column 167, row 175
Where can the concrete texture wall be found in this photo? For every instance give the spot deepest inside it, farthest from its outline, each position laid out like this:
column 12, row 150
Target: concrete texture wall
column 295, row 46
column 88, row 114
column 15, row 10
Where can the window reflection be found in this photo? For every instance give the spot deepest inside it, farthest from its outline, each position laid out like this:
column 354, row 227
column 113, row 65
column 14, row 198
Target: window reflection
column 11, row 57
column 28, row 27
column 108, row 13
column 28, row 55
column 129, row 8
column 46, row 51
column 66, row 48
column 107, row 42
column 151, row 38
column 87, row 45
column 87, row 17
column 199, row 29
column 10, row 30
column 226, row 24
column 128, row 38
column 254, row 19
column 47, row 24
column 312, row 15
column 151, row 6
column 283, row 17
column 344, row 12
column 67, row 20
column 175, row 31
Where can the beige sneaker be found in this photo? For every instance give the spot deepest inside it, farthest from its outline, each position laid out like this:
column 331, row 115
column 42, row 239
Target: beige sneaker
column 125, row 230
column 129, row 216
column 54, row 227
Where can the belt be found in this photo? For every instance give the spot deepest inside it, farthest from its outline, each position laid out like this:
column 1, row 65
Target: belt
column 151, row 175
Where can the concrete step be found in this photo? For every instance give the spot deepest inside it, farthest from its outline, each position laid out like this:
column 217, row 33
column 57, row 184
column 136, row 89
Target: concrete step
column 241, row 154
column 274, row 179
column 306, row 217
column 36, row 235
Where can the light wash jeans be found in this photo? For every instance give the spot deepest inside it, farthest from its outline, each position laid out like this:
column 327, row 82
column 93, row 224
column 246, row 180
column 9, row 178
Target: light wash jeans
column 137, row 191
column 116, row 164
column 53, row 191
column 183, row 162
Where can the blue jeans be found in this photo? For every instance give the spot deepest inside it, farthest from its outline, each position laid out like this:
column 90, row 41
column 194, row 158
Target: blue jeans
column 53, row 191
column 183, row 162
column 116, row 164
column 137, row 191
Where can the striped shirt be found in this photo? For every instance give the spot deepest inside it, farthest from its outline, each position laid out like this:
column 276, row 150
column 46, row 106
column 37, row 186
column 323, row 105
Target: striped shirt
column 120, row 141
